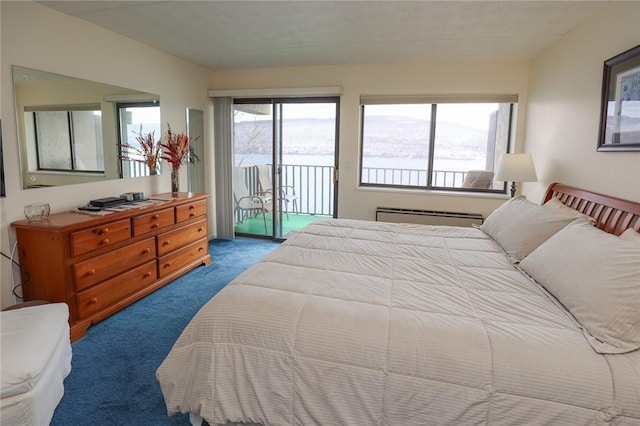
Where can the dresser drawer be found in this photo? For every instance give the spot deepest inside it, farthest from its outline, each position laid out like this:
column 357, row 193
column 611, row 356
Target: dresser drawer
column 181, row 257
column 108, row 292
column 99, row 268
column 150, row 222
column 100, row 236
column 189, row 210
column 182, row 236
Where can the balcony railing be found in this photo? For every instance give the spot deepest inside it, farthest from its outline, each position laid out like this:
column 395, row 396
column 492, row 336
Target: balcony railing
column 412, row 177
column 132, row 169
column 314, row 187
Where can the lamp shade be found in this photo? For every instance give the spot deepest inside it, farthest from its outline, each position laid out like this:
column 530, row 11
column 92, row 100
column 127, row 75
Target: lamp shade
column 516, row 168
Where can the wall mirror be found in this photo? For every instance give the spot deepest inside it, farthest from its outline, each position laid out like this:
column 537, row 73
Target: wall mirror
column 195, row 130
column 73, row 131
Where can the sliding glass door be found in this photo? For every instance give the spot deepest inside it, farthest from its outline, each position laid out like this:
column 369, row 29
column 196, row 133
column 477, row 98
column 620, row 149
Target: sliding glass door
column 285, row 157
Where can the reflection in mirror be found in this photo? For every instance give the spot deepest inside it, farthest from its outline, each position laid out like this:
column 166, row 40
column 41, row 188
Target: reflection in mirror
column 66, row 140
column 70, row 130
column 195, row 169
column 140, row 137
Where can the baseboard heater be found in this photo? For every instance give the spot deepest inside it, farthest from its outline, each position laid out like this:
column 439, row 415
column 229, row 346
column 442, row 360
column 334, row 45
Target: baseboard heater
column 427, row 217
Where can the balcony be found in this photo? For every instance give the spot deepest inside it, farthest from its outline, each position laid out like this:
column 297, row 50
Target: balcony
column 313, row 185
column 412, row 177
column 314, row 188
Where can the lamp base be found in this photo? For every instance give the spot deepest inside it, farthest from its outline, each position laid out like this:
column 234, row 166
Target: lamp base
column 513, row 189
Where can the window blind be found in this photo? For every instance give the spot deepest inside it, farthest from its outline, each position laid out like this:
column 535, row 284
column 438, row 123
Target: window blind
column 437, row 99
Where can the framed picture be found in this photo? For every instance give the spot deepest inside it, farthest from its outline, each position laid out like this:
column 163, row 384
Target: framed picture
column 620, row 108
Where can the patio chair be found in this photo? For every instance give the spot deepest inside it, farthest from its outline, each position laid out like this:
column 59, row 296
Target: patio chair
column 287, row 192
column 478, row 179
column 247, row 203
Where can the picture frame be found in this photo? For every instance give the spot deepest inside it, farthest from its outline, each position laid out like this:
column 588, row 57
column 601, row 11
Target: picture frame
column 620, row 106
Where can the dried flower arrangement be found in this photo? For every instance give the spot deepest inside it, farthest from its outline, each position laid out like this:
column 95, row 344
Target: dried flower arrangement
column 176, row 149
column 148, row 152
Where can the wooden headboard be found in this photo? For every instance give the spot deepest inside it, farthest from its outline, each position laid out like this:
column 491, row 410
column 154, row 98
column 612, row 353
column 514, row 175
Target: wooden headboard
column 613, row 215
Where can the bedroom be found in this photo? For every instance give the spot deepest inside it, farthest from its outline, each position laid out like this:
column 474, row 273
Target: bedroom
column 558, row 121
column 559, row 89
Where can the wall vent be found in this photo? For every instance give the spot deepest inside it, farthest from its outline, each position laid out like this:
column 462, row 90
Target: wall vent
column 427, row 217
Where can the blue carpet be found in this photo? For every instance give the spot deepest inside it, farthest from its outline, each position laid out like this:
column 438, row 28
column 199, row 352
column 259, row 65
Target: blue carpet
column 112, row 379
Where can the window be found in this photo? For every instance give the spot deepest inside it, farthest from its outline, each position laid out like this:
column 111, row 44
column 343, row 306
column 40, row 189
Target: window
column 67, row 140
column 439, row 143
column 136, row 119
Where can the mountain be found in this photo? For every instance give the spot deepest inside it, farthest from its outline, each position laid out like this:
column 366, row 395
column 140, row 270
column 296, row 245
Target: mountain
column 386, row 136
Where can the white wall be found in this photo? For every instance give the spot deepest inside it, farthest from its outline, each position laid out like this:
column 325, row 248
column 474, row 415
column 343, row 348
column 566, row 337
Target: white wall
column 355, row 80
column 38, row 37
column 564, row 107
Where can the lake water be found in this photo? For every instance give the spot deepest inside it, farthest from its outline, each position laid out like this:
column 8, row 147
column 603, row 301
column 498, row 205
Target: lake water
column 374, row 162
column 314, row 186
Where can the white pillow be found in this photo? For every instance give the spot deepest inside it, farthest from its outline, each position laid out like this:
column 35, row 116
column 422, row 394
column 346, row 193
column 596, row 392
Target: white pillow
column 556, row 205
column 631, row 235
column 596, row 276
column 520, row 226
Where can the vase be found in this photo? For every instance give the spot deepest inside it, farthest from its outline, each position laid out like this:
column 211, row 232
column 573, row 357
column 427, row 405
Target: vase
column 175, row 185
column 152, row 164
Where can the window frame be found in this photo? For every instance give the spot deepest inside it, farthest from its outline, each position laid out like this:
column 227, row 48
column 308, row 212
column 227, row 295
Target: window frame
column 69, row 112
column 120, row 143
column 434, row 101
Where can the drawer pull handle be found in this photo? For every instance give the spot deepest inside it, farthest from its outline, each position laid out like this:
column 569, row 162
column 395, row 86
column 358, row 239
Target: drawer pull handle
column 155, row 225
column 167, row 265
column 192, row 207
column 200, row 248
column 91, row 272
column 94, row 300
column 147, row 250
column 192, row 215
column 105, row 241
column 147, row 275
column 155, row 217
column 200, row 229
column 166, row 243
column 103, row 231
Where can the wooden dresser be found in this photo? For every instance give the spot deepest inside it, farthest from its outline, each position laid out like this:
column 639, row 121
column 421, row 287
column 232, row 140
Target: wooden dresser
column 100, row 264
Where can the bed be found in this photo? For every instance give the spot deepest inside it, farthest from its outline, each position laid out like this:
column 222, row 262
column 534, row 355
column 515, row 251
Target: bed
column 533, row 318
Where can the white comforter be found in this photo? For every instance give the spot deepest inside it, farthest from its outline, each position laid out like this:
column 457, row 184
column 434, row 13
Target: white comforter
column 369, row 323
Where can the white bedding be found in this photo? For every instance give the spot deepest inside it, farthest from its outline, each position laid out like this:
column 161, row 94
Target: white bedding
column 363, row 323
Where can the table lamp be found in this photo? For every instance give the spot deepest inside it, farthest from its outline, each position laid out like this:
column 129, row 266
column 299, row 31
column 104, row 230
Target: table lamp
column 516, row 168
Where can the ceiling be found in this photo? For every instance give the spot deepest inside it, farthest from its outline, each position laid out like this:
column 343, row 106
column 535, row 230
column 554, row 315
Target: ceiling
column 256, row 34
